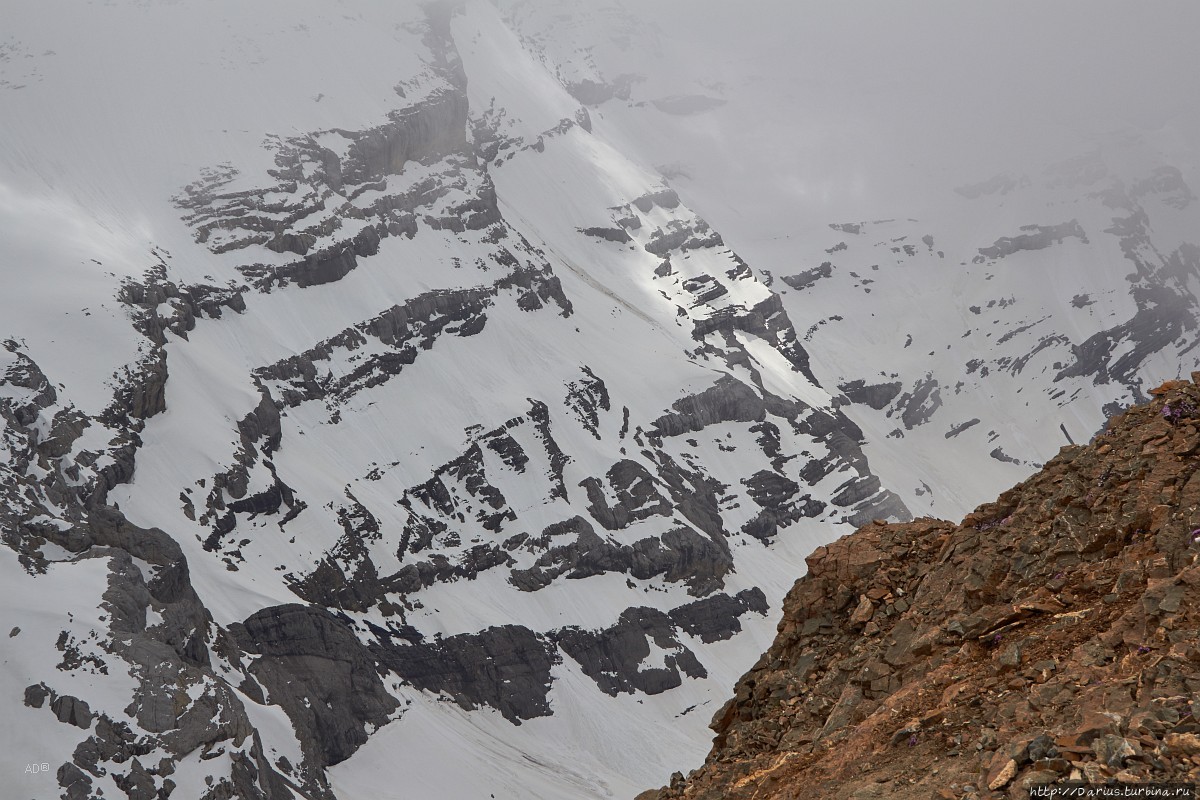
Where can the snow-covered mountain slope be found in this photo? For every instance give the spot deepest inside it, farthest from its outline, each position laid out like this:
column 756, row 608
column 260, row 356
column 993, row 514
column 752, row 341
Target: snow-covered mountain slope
column 382, row 415
column 1058, row 301
column 1071, row 273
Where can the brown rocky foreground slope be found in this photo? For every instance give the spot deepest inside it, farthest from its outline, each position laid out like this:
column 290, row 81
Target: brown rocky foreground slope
column 1053, row 634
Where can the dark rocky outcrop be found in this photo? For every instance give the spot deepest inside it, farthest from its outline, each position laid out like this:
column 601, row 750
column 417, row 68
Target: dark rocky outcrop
column 637, row 497
column 802, row 280
column 505, row 667
column 1166, row 308
column 679, row 235
column 618, row 235
column 588, row 397
column 729, row 400
column 159, row 304
column 1163, row 316
column 315, row 668
column 766, row 319
column 715, row 618
column 594, row 92
column 704, row 288
column 72, row 711
column 681, row 554
column 918, row 405
column 877, row 395
column 427, row 131
column 666, row 198
column 781, row 503
column 1036, row 237
column 955, row 430
column 613, row 657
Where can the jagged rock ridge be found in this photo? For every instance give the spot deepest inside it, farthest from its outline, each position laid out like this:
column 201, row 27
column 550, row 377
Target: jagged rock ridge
column 1051, row 635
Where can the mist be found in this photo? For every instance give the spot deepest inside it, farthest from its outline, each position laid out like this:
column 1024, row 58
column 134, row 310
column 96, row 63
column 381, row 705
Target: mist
column 875, row 108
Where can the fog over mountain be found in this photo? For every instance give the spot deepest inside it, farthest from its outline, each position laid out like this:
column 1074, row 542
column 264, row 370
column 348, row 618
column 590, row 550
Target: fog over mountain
column 857, row 92
column 439, row 398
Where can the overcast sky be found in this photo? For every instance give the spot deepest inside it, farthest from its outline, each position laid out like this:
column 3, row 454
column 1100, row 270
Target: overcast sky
column 950, row 89
column 1081, row 61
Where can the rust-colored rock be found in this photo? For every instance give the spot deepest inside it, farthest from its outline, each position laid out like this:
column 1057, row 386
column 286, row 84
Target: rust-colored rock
column 1187, row 744
column 1050, row 635
column 863, row 613
column 1001, row 774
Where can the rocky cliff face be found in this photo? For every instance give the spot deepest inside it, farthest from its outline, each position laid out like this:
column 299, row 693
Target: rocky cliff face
column 1050, row 635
